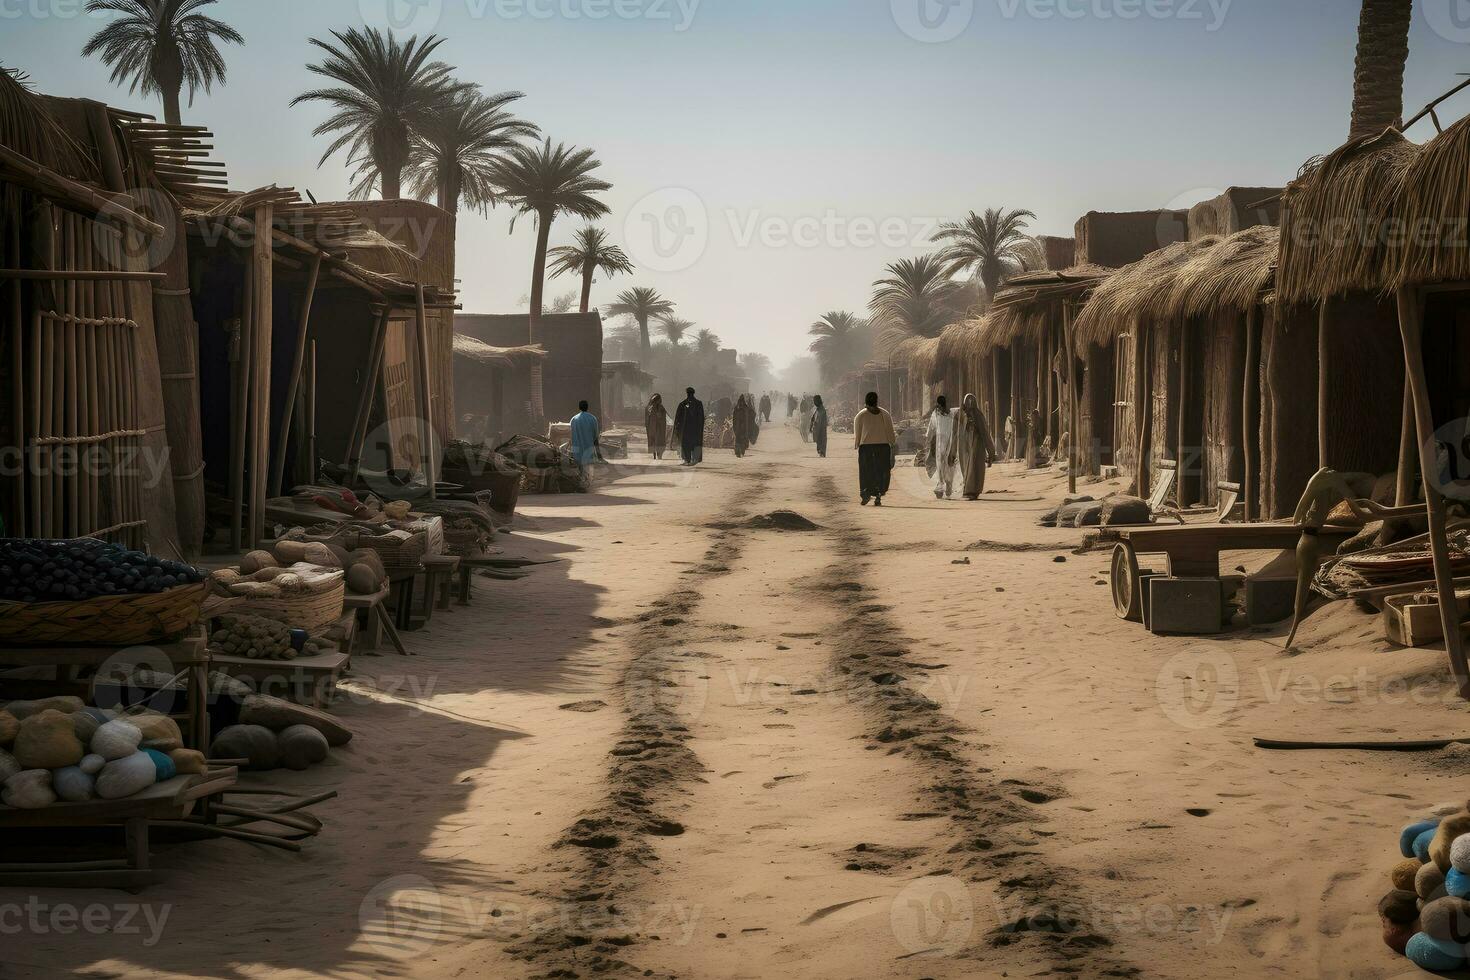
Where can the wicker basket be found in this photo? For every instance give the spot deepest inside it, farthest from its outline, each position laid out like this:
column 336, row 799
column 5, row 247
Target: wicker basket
column 120, row 620
column 312, row 610
column 426, row 537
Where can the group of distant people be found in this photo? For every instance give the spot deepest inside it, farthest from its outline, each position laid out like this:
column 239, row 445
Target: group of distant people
column 958, row 444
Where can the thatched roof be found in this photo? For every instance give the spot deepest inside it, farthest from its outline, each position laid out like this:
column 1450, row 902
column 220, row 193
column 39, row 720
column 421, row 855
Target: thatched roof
column 1335, row 214
column 1232, row 275
column 921, row 355
column 1028, row 301
column 501, row 357
column 1136, row 292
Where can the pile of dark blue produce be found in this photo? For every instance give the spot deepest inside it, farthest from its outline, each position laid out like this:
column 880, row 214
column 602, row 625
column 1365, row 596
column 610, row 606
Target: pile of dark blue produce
column 34, row 570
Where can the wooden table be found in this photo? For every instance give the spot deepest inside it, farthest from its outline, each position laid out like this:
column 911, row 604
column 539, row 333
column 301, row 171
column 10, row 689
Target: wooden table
column 306, row 680
column 173, row 799
column 439, row 572
column 370, row 626
column 189, row 655
column 1193, row 551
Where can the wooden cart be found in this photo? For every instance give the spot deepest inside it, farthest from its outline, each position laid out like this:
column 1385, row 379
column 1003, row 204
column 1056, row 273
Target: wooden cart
column 1193, row 551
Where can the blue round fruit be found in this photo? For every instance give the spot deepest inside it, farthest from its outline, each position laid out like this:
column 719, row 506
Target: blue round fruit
column 1435, row 954
column 1420, row 849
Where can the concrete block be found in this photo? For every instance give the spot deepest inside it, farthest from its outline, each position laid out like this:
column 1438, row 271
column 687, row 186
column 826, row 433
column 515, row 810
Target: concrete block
column 1186, row 606
column 1269, row 600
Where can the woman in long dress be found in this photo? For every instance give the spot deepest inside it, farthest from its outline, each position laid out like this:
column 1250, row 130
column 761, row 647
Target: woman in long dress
column 741, row 425
column 977, row 450
column 942, row 454
column 656, row 424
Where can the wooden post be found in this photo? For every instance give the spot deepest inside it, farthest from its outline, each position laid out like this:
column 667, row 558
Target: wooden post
column 311, row 455
column 426, row 391
column 1071, row 354
column 1181, row 438
column 245, row 358
column 1249, row 419
column 1323, row 318
column 1404, row 494
column 1143, row 422
column 1411, row 326
column 18, row 383
column 263, row 262
column 353, row 460
column 283, row 436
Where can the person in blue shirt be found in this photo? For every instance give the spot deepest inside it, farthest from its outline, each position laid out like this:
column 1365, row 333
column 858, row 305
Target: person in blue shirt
column 586, row 449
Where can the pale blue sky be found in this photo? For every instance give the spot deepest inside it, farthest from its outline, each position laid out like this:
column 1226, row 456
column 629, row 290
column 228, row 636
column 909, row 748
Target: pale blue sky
column 788, row 118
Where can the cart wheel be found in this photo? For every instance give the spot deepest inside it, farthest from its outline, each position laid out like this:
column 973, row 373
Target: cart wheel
column 1127, row 585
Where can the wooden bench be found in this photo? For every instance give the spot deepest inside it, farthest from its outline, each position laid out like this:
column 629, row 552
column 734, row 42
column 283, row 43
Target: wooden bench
column 1193, row 551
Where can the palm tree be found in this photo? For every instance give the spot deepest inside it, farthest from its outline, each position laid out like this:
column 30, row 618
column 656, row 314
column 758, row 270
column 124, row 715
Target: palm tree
column 642, row 304
column 674, row 329
column 388, row 91
column 457, row 148
column 913, row 300
column 1383, row 53
column 991, row 246
column 842, row 342
column 707, row 343
column 162, row 46
column 545, row 182
column 591, row 253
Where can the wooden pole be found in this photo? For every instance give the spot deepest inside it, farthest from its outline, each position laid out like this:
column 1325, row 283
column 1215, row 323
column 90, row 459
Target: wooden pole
column 1411, row 326
column 311, row 455
column 245, row 354
column 1404, row 493
column 264, row 329
column 18, row 382
column 1248, row 413
column 353, row 460
column 1143, row 423
column 1181, row 437
column 1071, row 355
column 69, row 382
column 303, row 324
column 426, row 391
column 1323, row 318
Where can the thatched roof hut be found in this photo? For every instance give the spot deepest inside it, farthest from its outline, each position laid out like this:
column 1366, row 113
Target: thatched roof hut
column 1232, row 275
column 1137, row 292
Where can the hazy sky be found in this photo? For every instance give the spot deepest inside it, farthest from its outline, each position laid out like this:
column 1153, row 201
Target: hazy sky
column 769, row 157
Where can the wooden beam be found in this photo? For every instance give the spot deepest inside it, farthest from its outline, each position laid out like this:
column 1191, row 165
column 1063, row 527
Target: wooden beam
column 77, row 196
column 366, row 391
column 1411, row 326
column 1071, row 355
column 264, row 330
column 1249, row 415
column 426, row 391
column 81, row 275
column 303, row 324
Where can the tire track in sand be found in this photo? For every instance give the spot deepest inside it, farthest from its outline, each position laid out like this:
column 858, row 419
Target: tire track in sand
column 984, row 825
column 608, row 853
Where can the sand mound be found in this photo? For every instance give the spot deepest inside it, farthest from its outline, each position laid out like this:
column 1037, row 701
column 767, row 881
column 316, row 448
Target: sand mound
column 776, row 520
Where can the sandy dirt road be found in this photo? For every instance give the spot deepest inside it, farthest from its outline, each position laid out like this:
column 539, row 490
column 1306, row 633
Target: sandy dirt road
column 909, row 742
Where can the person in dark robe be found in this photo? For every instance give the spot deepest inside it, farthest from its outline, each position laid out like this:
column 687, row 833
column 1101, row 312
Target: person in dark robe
column 790, row 405
column 755, row 419
column 741, row 422
column 817, row 425
column 877, row 445
column 766, row 407
column 689, row 427
column 656, row 424
column 805, row 413
column 977, row 449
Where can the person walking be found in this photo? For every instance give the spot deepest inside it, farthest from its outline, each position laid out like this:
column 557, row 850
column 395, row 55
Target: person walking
column 943, row 450
column 656, row 425
column 817, row 425
column 689, row 427
column 977, row 449
column 743, row 417
column 790, row 405
column 765, row 407
column 876, row 442
column 806, row 412
column 755, row 419
column 586, row 447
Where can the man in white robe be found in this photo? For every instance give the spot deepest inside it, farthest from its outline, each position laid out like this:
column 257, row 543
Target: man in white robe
column 943, row 454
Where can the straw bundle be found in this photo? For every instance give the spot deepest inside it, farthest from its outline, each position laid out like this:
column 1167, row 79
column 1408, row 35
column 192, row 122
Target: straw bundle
column 502, row 357
column 1432, row 212
column 1233, row 275
column 1338, row 218
column 1136, row 292
column 28, row 128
